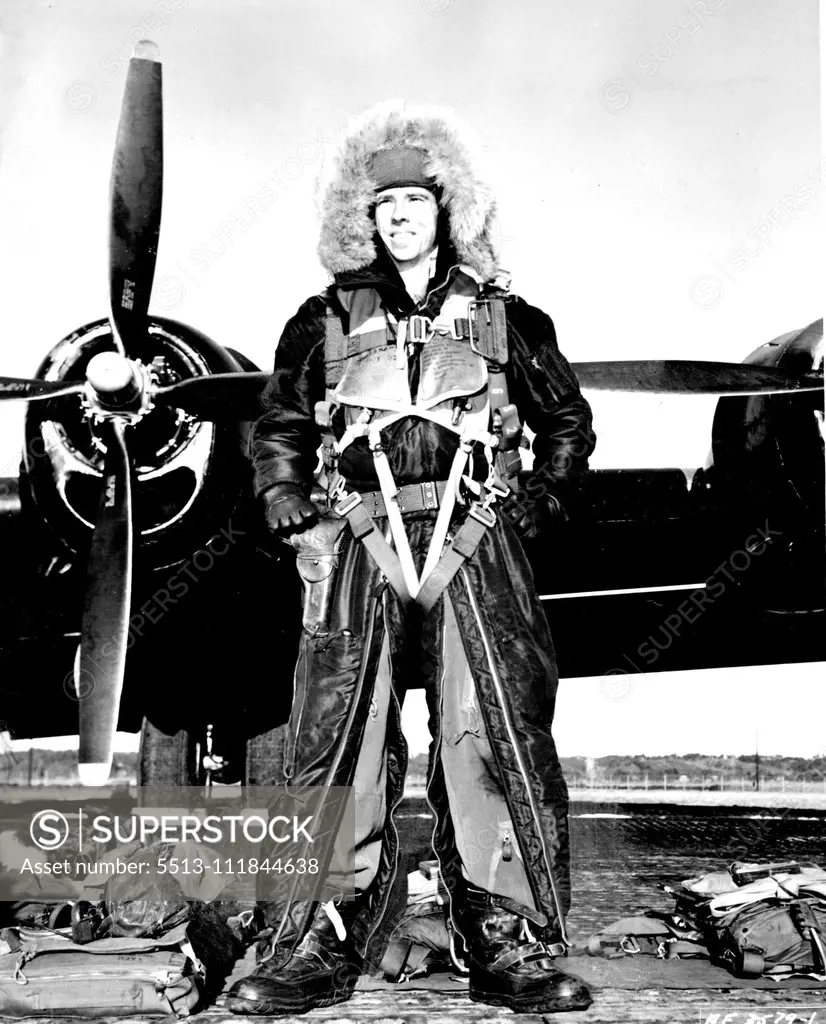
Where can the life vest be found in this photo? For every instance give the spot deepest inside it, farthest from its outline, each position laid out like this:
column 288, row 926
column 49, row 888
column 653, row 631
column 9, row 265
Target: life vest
column 367, row 376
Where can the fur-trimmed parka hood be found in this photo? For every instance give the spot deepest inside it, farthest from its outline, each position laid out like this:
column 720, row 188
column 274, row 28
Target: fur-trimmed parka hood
column 347, row 192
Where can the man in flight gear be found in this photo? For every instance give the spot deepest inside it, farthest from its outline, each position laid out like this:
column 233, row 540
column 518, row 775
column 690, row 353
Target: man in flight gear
column 412, row 372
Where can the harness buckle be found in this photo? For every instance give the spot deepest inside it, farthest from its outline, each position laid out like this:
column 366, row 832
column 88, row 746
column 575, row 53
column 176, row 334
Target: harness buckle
column 347, row 503
column 497, row 490
column 419, row 329
column 450, row 328
column 337, row 490
column 482, row 514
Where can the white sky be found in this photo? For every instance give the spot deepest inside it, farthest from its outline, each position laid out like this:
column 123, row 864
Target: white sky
column 712, row 712
column 635, row 147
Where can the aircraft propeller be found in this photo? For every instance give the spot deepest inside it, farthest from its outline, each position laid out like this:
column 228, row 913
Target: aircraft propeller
column 104, row 631
column 136, row 194
column 118, row 392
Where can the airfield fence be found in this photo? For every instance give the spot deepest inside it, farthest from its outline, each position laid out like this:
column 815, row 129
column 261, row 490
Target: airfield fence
column 704, row 783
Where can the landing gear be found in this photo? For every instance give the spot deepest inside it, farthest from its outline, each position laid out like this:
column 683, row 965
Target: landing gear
column 199, row 756
column 170, row 758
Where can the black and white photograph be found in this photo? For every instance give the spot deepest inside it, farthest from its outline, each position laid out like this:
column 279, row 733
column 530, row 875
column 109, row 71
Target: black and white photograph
column 412, row 505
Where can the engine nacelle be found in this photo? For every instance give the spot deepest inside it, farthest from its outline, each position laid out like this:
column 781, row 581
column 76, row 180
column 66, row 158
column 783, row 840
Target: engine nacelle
column 188, row 473
column 767, row 471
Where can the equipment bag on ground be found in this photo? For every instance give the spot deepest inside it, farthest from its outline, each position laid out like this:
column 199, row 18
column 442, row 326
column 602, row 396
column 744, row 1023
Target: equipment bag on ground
column 774, row 926
column 46, row 973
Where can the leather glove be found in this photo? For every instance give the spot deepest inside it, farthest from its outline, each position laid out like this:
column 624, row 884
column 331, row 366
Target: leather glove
column 287, row 509
column 532, row 514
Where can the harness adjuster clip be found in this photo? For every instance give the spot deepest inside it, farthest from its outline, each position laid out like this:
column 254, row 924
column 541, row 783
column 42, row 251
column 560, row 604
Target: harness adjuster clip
column 347, row 503
column 430, row 495
column 483, row 515
column 419, row 329
column 336, row 492
column 498, row 490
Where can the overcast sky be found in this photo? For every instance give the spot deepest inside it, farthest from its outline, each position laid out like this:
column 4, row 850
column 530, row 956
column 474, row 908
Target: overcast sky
column 657, row 163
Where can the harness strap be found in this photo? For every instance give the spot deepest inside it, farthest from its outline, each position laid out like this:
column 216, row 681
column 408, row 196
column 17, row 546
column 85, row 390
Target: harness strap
column 335, row 347
column 364, row 529
column 437, row 541
column 442, row 562
column 362, row 428
column 467, row 540
column 394, row 515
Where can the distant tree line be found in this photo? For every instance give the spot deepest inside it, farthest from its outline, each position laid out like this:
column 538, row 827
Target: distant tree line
column 38, row 767
column 59, row 767
column 674, row 766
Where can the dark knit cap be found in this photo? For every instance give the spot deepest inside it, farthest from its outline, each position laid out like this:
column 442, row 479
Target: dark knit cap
column 395, row 168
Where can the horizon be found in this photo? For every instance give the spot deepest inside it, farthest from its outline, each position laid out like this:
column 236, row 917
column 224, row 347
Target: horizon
column 129, row 745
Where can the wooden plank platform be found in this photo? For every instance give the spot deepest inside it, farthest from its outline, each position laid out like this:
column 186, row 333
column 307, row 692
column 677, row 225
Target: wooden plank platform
column 617, row 865
column 640, row 990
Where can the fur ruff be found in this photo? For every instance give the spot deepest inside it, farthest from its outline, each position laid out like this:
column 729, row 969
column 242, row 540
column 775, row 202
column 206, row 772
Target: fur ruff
column 347, row 193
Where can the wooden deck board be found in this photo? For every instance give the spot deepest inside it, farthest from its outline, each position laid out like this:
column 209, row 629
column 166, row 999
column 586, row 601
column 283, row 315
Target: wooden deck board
column 615, row 872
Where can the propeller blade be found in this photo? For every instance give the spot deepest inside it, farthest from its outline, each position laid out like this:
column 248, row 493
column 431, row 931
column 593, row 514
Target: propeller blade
column 32, row 390
column 135, row 199
column 222, row 394
column 105, row 624
column 690, row 377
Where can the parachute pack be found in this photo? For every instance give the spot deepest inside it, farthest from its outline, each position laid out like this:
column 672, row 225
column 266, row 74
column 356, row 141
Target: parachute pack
column 772, row 926
column 141, row 947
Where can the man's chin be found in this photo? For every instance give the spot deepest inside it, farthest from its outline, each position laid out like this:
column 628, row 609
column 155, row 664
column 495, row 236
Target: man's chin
column 405, row 255
column 406, row 260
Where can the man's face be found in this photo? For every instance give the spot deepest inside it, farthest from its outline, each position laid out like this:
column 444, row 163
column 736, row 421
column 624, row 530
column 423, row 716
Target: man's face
column 406, row 222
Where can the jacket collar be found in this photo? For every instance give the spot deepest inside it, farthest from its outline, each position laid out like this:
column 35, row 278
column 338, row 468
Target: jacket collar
column 383, row 275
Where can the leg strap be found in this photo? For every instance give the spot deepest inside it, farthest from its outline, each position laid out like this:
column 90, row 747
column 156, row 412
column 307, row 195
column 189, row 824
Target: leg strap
column 466, row 541
column 442, row 562
column 364, row 529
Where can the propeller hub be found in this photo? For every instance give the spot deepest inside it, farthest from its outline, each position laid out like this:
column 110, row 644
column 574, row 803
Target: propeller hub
column 113, row 379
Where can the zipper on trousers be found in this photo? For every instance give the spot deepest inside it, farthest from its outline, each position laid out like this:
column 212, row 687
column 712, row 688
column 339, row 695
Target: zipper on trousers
column 289, row 764
column 437, row 750
column 331, row 774
column 500, row 693
column 391, row 822
column 392, row 810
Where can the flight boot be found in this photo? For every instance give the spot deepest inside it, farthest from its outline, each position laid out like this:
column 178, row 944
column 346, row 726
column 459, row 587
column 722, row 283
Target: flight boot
column 321, row 970
column 508, row 967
